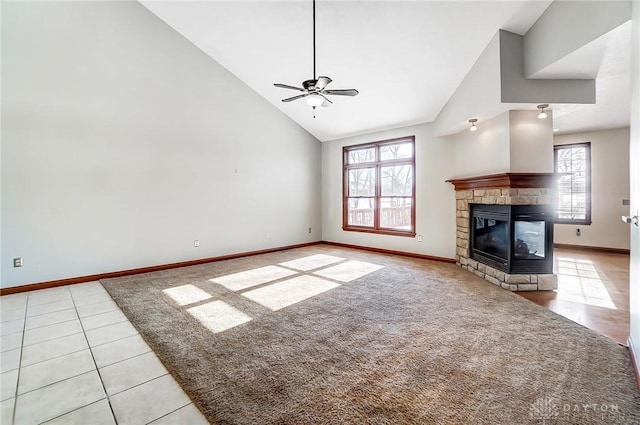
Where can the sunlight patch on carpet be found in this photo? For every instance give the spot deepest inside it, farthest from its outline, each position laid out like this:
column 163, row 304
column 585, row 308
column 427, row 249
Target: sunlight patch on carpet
column 218, row 316
column 249, row 278
column 288, row 292
column 348, row 271
column 186, row 294
column 312, row 262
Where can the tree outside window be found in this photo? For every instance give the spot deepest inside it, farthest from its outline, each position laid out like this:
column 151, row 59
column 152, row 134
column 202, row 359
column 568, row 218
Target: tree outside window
column 379, row 187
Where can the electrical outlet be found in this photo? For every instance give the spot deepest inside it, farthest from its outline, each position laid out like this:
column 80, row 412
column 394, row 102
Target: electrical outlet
column 419, row 238
column 17, row 262
column 577, row 232
column 309, row 229
column 196, row 243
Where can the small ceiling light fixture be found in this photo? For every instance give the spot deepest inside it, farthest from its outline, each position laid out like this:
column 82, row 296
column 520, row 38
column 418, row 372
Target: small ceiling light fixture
column 556, row 130
column 542, row 115
column 473, row 122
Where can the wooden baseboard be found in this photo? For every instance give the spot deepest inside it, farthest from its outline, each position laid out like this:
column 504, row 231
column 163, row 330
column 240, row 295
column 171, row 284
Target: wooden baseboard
column 121, row 273
column 592, row 248
column 129, row 272
column 392, row 252
column 636, row 366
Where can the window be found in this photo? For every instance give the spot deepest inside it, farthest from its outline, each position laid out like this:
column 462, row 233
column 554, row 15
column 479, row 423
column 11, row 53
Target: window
column 379, row 187
column 573, row 201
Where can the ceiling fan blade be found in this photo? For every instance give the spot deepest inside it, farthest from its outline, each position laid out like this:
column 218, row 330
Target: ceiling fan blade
column 322, row 82
column 346, row 92
column 289, row 99
column 326, row 102
column 284, row 86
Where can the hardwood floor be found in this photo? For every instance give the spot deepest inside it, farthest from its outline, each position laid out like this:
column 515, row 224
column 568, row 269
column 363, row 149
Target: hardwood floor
column 593, row 290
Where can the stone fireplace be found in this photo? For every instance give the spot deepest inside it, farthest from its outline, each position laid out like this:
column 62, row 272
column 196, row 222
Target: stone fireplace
column 504, row 229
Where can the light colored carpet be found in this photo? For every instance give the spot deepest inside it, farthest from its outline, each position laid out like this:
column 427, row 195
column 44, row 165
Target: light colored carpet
column 377, row 339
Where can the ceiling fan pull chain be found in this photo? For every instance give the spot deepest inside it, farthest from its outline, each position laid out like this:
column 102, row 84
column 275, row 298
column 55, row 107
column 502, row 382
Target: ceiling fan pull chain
column 314, row 41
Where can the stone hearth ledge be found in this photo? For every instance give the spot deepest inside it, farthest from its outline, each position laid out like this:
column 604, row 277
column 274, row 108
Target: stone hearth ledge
column 518, row 189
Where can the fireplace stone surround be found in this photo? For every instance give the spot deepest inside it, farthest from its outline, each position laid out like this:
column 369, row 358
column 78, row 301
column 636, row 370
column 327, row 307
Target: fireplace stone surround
column 500, row 189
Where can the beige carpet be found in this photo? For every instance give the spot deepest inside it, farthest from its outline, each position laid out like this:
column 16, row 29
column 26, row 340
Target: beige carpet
column 325, row 335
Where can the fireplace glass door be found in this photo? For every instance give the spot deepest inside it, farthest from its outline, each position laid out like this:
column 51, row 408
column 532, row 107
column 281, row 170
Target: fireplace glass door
column 529, row 240
column 491, row 237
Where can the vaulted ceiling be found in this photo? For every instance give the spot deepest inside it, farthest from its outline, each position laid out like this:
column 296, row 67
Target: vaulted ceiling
column 405, row 57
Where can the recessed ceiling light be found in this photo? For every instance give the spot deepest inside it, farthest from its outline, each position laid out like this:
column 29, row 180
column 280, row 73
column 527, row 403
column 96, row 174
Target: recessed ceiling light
column 556, row 129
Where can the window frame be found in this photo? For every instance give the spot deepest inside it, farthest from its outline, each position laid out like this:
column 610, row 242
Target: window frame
column 378, row 164
column 587, row 170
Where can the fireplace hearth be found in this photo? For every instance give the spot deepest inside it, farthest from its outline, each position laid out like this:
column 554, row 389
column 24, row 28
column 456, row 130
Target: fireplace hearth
column 512, row 238
column 504, row 229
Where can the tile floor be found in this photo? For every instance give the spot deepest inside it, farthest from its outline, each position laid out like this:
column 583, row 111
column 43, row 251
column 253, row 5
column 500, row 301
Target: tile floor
column 70, row 356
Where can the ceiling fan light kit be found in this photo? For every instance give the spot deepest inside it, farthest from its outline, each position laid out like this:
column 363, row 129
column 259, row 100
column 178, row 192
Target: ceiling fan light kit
column 314, row 91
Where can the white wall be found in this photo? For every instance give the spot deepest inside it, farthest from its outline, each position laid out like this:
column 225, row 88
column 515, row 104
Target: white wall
column 435, row 199
column 531, row 142
column 634, row 276
column 484, row 151
column 609, row 186
column 120, row 145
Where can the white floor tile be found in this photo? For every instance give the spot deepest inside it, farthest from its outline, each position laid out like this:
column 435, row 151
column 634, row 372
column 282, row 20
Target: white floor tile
column 46, row 333
column 89, row 288
column 6, row 411
column 58, row 382
column 188, row 414
column 57, row 369
column 13, row 301
column 110, row 333
column 91, row 299
column 91, row 309
column 8, row 314
column 11, row 326
column 10, row 342
column 149, row 401
column 131, row 372
column 8, row 384
column 9, row 360
column 288, row 292
column 48, row 296
column 54, row 400
column 35, row 310
column 98, row 413
column 103, row 319
column 51, row 318
column 119, row 350
column 54, row 348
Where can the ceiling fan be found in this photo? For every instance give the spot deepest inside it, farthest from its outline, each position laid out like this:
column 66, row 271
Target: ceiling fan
column 314, row 91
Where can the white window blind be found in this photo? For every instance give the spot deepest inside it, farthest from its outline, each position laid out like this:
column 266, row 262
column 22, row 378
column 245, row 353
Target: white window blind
column 573, row 201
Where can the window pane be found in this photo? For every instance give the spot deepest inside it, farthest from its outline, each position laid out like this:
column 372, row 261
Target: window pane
column 360, row 212
column 357, row 156
column 396, row 151
column 397, row 180
column 395, row 213
column 573, row 187
column 362, row 182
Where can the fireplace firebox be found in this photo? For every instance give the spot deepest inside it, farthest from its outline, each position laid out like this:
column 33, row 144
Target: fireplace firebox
column 517, row 239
